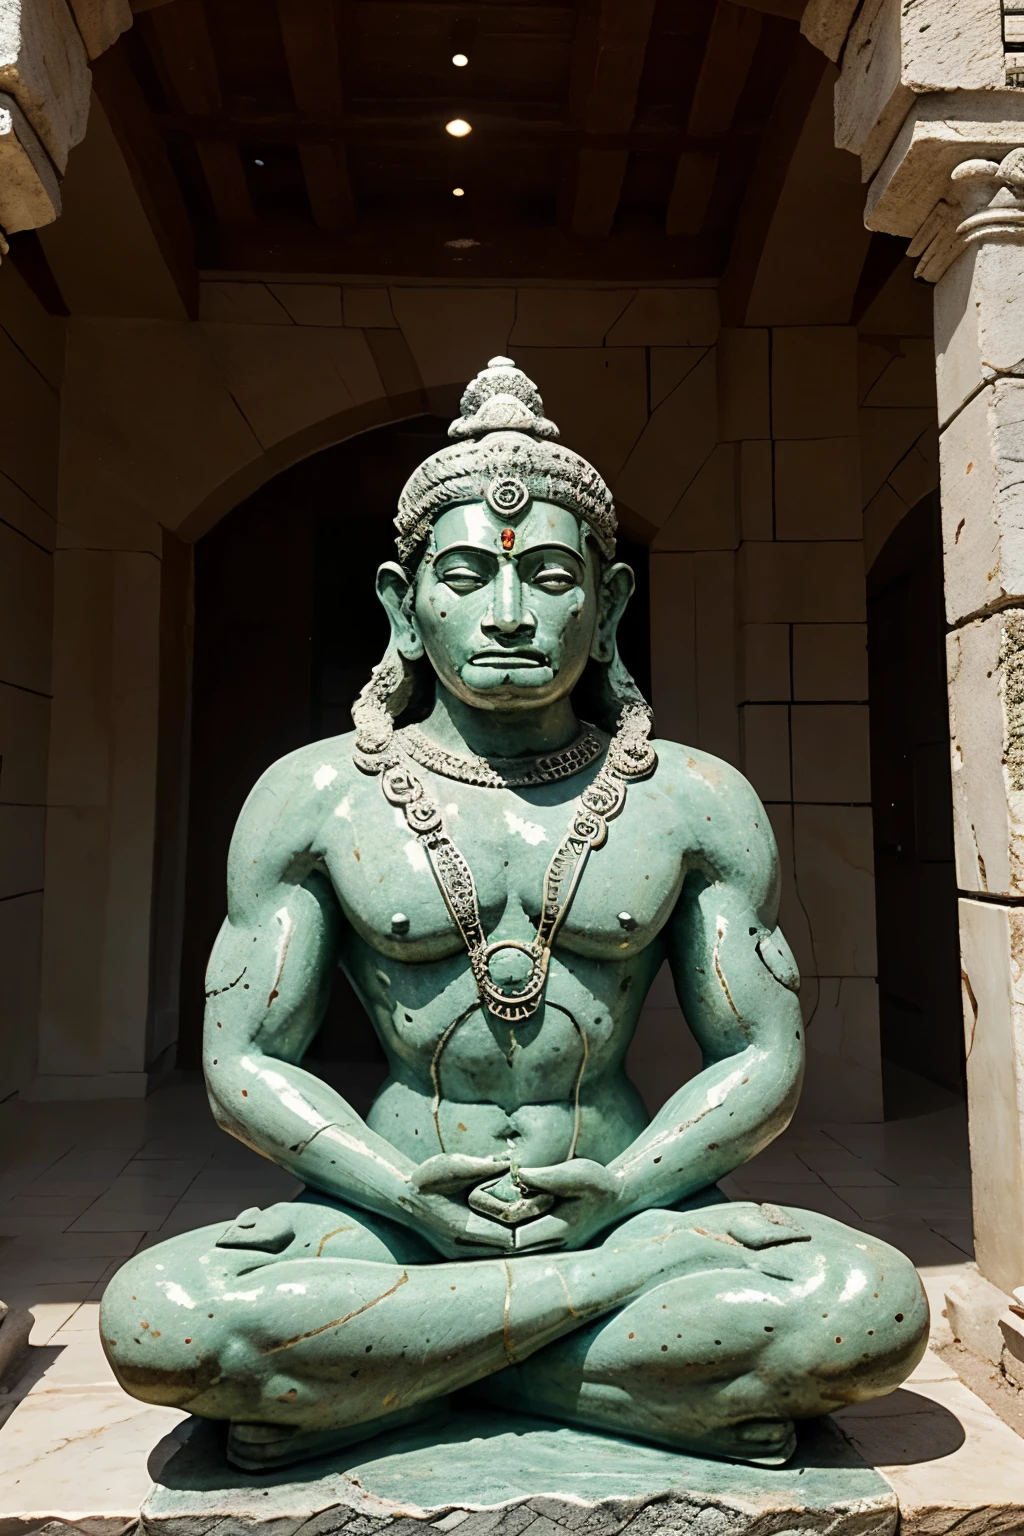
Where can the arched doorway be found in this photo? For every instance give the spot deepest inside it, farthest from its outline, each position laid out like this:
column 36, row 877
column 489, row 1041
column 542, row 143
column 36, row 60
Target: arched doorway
column 915, row 877
column 287, row 627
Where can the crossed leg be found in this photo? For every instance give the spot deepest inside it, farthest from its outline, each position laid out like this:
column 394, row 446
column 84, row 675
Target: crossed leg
column 671, row 1329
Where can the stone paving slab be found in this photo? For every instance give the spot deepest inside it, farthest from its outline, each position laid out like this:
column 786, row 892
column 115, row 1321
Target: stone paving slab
column 491, row 1474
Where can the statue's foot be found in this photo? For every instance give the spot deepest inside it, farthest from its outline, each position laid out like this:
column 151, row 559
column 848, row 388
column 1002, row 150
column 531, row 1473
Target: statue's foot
column 763, row 1442
column 262, row 1447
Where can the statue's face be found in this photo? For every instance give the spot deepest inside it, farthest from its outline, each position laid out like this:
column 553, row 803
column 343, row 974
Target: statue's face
column 508, row 628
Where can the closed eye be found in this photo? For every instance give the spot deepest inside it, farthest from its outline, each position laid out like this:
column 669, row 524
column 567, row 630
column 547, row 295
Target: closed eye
column 461, row 578
column 552, row 578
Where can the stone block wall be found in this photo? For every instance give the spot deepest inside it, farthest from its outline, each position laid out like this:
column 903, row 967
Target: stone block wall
column 825, row 437
column 31, row 365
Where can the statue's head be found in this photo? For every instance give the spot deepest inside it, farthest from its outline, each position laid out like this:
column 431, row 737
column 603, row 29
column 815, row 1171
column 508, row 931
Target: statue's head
column 508, row 584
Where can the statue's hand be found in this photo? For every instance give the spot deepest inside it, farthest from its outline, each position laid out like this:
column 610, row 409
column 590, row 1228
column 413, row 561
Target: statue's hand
column 447, row 1173
column 449, row 1224
column 589, row 1200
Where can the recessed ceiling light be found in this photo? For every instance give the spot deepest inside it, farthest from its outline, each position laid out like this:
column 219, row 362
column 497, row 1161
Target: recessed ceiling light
column 459, row 60
column 458, row 191
column 458, row 128
column 257, row 162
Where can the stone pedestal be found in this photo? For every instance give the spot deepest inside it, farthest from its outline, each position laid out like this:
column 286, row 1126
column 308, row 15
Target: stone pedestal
column 490, row 1474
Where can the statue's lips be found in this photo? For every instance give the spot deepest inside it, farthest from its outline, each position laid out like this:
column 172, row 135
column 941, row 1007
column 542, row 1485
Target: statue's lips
column 509, row 659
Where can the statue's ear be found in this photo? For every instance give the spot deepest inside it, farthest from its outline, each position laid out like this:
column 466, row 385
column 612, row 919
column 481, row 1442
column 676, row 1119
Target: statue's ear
column 616, row 589
column 395, row 591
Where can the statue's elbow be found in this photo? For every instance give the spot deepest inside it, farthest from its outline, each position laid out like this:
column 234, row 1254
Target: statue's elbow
column 217, row 1096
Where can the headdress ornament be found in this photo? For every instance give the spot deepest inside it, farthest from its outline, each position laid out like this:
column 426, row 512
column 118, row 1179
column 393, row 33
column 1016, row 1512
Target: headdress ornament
column 504, row 453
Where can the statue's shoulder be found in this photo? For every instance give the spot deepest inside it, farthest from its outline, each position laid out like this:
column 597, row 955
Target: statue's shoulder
column 689, row 771
column 301, row 788
column 727, row 819
column 711, row 788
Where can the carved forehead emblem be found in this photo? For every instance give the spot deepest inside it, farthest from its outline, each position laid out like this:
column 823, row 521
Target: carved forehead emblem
column 507, row 495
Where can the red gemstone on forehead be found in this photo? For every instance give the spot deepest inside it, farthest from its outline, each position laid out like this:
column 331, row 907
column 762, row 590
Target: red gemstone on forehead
column 508, row 538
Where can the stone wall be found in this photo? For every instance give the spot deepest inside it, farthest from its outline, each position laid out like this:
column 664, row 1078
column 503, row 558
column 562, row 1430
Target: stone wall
column 742, row 457
column 825, row 437
column 31, row 365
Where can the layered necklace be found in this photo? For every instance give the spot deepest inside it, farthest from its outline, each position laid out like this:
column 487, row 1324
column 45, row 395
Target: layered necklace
column 394, row 755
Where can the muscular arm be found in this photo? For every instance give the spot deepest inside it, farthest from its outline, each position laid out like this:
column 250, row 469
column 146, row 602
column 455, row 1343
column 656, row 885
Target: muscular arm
column 736, row 980
column 267, row 986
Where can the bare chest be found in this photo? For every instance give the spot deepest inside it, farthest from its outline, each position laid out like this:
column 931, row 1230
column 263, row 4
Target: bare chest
column 394, row 894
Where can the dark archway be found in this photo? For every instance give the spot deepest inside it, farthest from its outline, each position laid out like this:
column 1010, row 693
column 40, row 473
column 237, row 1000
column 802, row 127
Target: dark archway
column 287, row 627
column 915, row 877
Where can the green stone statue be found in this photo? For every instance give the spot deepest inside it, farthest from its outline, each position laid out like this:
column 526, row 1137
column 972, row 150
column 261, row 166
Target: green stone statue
column 500, row 860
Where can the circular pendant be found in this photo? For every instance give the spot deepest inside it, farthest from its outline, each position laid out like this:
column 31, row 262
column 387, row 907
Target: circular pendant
column 516, row 1000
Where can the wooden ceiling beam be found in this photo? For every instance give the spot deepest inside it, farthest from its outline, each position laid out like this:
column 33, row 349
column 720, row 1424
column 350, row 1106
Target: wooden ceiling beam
column 732, row 43
column 725, row 67
column 771, row 166
column 145, row 155
column 460, row 248
column 608, row 56
column 309, row 31
column 191, row 69
column 692, row 186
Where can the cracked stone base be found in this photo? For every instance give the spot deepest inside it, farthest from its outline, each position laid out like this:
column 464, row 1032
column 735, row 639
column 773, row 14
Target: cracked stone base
column 494, row 1474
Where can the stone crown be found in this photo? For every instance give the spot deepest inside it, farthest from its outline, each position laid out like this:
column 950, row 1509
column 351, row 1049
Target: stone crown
column 502, row 431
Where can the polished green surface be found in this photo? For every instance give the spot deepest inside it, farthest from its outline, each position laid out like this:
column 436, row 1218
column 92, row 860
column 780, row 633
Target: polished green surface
column 628, row 1298
column 489, row 1459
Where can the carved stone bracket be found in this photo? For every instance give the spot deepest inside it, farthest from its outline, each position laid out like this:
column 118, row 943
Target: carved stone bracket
column 988, row 204
column 45, row 85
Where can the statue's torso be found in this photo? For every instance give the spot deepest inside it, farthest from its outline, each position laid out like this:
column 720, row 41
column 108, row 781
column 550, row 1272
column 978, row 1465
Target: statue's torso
column 488, row 1083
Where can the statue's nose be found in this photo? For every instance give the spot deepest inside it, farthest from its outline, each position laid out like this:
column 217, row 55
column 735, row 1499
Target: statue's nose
column 508, row 613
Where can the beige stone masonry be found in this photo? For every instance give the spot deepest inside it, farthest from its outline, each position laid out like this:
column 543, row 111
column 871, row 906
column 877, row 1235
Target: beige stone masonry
column 744, row 405
column 814, row 381
column 992, row 960
column 808, row 583
column 835, row 871
column 764, row 731
column 676, row 317
column 552, row 317
column 101, row 794
column 830, row 661
column 817, row 489
column 899, row 49
column 43, row 66
column 101, row 22
column 29, row 189
column 677, row 440
column 830, row 753
column 979, row 322
column 981, row 452
column 765, row 650
column 705, row 516
column 756, row 509
column 924, row 100
column 985, row 669
column 940, row 132
column 825, row 24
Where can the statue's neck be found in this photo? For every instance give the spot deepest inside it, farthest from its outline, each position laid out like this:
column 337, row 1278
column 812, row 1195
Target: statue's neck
column 500, row 733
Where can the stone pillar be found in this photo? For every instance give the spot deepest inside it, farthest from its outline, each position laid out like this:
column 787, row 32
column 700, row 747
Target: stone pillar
column 979, row 339
column 929, row 97
column 97, row 905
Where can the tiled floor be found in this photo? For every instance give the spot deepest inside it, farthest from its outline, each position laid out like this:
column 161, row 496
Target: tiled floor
column 83, row 1186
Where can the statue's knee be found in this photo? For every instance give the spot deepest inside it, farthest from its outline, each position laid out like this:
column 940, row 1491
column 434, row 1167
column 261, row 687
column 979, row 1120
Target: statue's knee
column 881, row 1314
column 149, row 1332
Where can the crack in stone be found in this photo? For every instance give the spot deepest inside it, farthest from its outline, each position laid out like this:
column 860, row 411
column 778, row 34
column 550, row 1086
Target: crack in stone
column 338, row 1322
column 216, row 991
